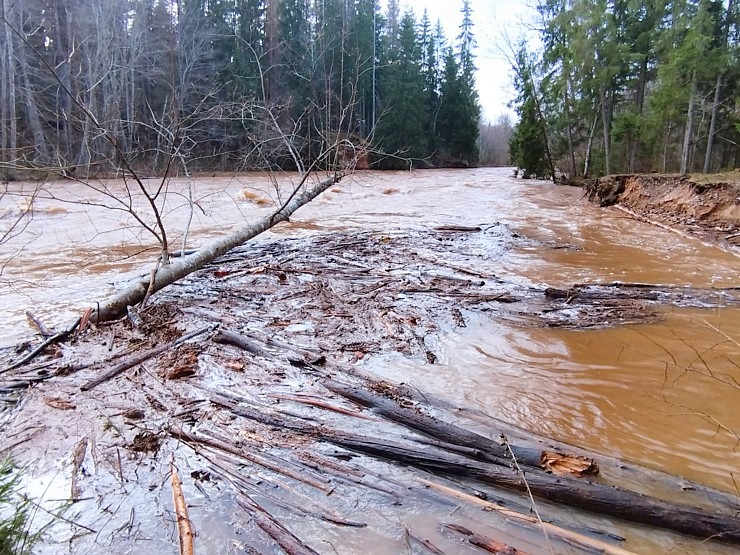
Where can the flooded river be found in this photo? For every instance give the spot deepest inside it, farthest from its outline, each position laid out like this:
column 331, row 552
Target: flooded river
column 661, row 394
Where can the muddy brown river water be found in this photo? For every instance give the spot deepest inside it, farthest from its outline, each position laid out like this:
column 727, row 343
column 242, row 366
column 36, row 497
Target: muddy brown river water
column 664, row 395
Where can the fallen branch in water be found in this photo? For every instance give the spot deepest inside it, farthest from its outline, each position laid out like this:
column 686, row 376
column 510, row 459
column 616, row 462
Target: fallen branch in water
column 556, row 531
column 40, row 349
column 260, row 460
column 485, row 543
column 680, row 232
column 139, row 358
column 184, row 526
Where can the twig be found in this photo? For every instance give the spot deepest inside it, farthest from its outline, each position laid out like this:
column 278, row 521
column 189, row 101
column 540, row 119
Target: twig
column 322, row 405
column 519, row 470
column 43, row 330
column 184, row 526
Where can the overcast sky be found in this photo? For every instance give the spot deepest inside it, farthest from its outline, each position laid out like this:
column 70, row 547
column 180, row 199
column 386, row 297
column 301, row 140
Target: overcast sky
column 492, row 19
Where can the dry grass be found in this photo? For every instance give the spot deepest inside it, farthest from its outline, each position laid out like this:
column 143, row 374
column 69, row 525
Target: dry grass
column 709, row 178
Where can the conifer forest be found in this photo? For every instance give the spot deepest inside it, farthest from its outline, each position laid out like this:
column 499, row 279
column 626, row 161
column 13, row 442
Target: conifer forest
column 625, row 86
column 223, row 85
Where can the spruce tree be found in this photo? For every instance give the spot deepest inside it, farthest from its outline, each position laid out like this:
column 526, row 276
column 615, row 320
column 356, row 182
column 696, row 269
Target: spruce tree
column 459, row 112
column 528, row 146
column 403, row 125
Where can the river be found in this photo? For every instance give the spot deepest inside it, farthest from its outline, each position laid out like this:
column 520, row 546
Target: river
column 661, row 394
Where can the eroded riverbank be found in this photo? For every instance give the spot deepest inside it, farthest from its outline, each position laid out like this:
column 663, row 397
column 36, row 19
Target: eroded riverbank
column 636, row 391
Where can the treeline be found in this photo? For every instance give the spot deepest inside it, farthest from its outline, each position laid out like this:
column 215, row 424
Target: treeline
column 630, row 86
column 228, row 84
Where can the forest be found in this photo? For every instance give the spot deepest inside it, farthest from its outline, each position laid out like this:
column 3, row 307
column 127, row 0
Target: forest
column 224, row 85
column 629, row 86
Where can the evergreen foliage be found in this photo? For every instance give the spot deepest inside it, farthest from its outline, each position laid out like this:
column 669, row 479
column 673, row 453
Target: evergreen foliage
column 630, row 86
column 210, row 69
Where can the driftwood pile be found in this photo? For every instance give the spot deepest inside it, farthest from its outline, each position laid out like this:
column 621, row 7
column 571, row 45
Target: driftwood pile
column 247, row 373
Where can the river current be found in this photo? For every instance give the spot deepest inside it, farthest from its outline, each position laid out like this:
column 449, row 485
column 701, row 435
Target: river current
column 661, row 394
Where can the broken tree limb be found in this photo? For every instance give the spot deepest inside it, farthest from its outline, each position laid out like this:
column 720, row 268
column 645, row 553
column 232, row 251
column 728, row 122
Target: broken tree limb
column 555, row 531
column 680, row 232
column 304, row 476
column 419, row 422
column 184, row 527
column 178, row 269
column 485, row 543
column 322, row 405
column 227, row 337
column 287, row 541
column 139, row 358
column 40, row 349
column 589, row 496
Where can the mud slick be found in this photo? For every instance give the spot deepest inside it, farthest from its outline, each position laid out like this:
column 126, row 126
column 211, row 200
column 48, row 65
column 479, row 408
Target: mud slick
column 254, row 378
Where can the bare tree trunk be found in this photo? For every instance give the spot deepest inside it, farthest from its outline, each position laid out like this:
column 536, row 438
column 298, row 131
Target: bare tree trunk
column 9, row 94
column 717, row 93
column 116, row 305
column 29, row 97
column 571, row 149
column 687, row 138
column 713, row 124
column 4, row 108
column 634, row 141
column 63, row 63
column 589, row 146
column 605, row 121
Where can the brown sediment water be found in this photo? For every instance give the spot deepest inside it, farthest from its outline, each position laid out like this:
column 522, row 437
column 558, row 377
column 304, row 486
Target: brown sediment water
column 663, row 394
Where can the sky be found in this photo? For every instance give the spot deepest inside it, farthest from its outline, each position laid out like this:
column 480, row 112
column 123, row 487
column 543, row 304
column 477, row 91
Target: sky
column 494, row 20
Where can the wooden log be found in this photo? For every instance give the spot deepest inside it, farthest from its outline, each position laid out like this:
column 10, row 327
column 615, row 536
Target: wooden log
column 426, row 544
column 486, row 449
column 555, row 531
column 259, row 460
column 589, row 496
column 287, row 541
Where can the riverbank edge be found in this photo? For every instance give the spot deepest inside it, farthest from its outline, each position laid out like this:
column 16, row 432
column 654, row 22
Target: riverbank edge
column 703, row 206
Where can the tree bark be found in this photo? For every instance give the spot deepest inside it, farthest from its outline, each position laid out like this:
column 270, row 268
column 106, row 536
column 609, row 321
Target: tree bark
column 689, row 127
column 32, row 111
column 717, row 94
column 9, row 94
column 606, row 125
column 590, row 496
column 589, row 146
column 181, row 267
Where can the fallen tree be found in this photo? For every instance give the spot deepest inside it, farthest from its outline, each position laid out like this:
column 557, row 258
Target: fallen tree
column 181, row 267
